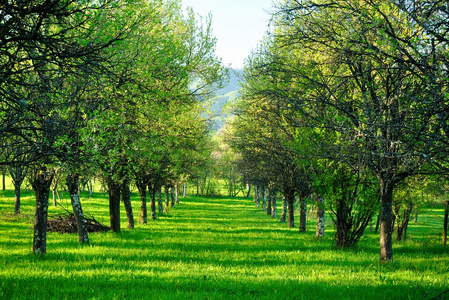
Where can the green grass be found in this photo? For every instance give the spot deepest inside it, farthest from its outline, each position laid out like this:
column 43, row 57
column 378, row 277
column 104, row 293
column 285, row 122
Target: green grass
column 213, row 248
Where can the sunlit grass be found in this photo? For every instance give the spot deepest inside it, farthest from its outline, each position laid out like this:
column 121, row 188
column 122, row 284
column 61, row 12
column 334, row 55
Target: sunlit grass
column 216, row 248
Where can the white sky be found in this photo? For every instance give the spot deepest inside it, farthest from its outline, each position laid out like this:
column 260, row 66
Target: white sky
column 238, row 25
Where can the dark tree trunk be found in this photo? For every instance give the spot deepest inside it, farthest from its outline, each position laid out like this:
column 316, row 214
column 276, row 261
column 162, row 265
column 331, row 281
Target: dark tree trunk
column 73, row 187
column 274, row 206
column 249, row 191
column 446, row 213
column 284, row 210
column 403, row 223
column 17, row 198
column 320, row 216
column 386, row 220
column 18, row 176
column 41, row 183
column 290, row 207
column 257, row 195
column 167, row 199
column 302, row 215
column 152, row 191
column 378, row 222
column 126, row 198
column 114, row 204
column 159, row 200
column 4, row 179
column 142, row 187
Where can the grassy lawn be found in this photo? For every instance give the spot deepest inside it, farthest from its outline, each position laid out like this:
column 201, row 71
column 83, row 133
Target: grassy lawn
column 213, row 248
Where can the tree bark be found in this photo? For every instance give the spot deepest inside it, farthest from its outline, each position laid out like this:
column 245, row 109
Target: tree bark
column 291, row 210
column 386, row 220
column 167, row 199
column 172, row 196
column 41, row 183
column 273, row 206
column 264, row 198
column 159, row 200
column 177, row 193
column 126, row 198
column 249, row 191
column 184, row 191
column 320, row 217
column 114, row 204
column 284, row 210
column 152, row 191
column 142, row 187
column 17, row 198
column 72, row 181
column 4, row 180
column 403, row 224
column 446, row 213
column 303, row 215
column 269, row 201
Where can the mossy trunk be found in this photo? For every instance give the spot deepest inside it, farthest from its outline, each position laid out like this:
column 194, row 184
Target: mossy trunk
column 41, row 182
column 72, row 182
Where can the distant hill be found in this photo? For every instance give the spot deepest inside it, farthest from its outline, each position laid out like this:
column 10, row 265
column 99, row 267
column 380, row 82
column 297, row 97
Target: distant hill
column 225, row 95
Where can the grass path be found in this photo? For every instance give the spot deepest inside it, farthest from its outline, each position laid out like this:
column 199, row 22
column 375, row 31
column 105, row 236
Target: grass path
column 211, row 249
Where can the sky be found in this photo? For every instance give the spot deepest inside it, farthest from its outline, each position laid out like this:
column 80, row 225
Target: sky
column 238, row 25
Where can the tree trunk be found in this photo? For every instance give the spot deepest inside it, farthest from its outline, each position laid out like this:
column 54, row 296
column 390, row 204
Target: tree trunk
column 273, row 205
column 184, row 191
column 403, row 224
column 303, row 215
column 320, row 216
column 4, row 179
column 73, row 187
column 167, row 199
column 41, row 182
column 53, row 192
column 257, row 195
column 17, row 198
column 142, row 187
column 415, row 220
column 152, row 191
column 177, row 193
column 172, row 196
column 126, row 198
column 446, row 213
column 269, row 201
column 378, row 222
column 114, row 204
column 249, row 191
column 386, row 220
column 159, row 199
column 264, row 197
column 291, row 209
column 284, row 210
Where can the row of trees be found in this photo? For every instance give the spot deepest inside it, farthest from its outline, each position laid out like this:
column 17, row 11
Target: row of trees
column 347, row 100
column 107, row 88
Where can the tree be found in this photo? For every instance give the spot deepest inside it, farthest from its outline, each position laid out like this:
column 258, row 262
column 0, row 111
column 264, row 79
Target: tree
column 352, row 72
